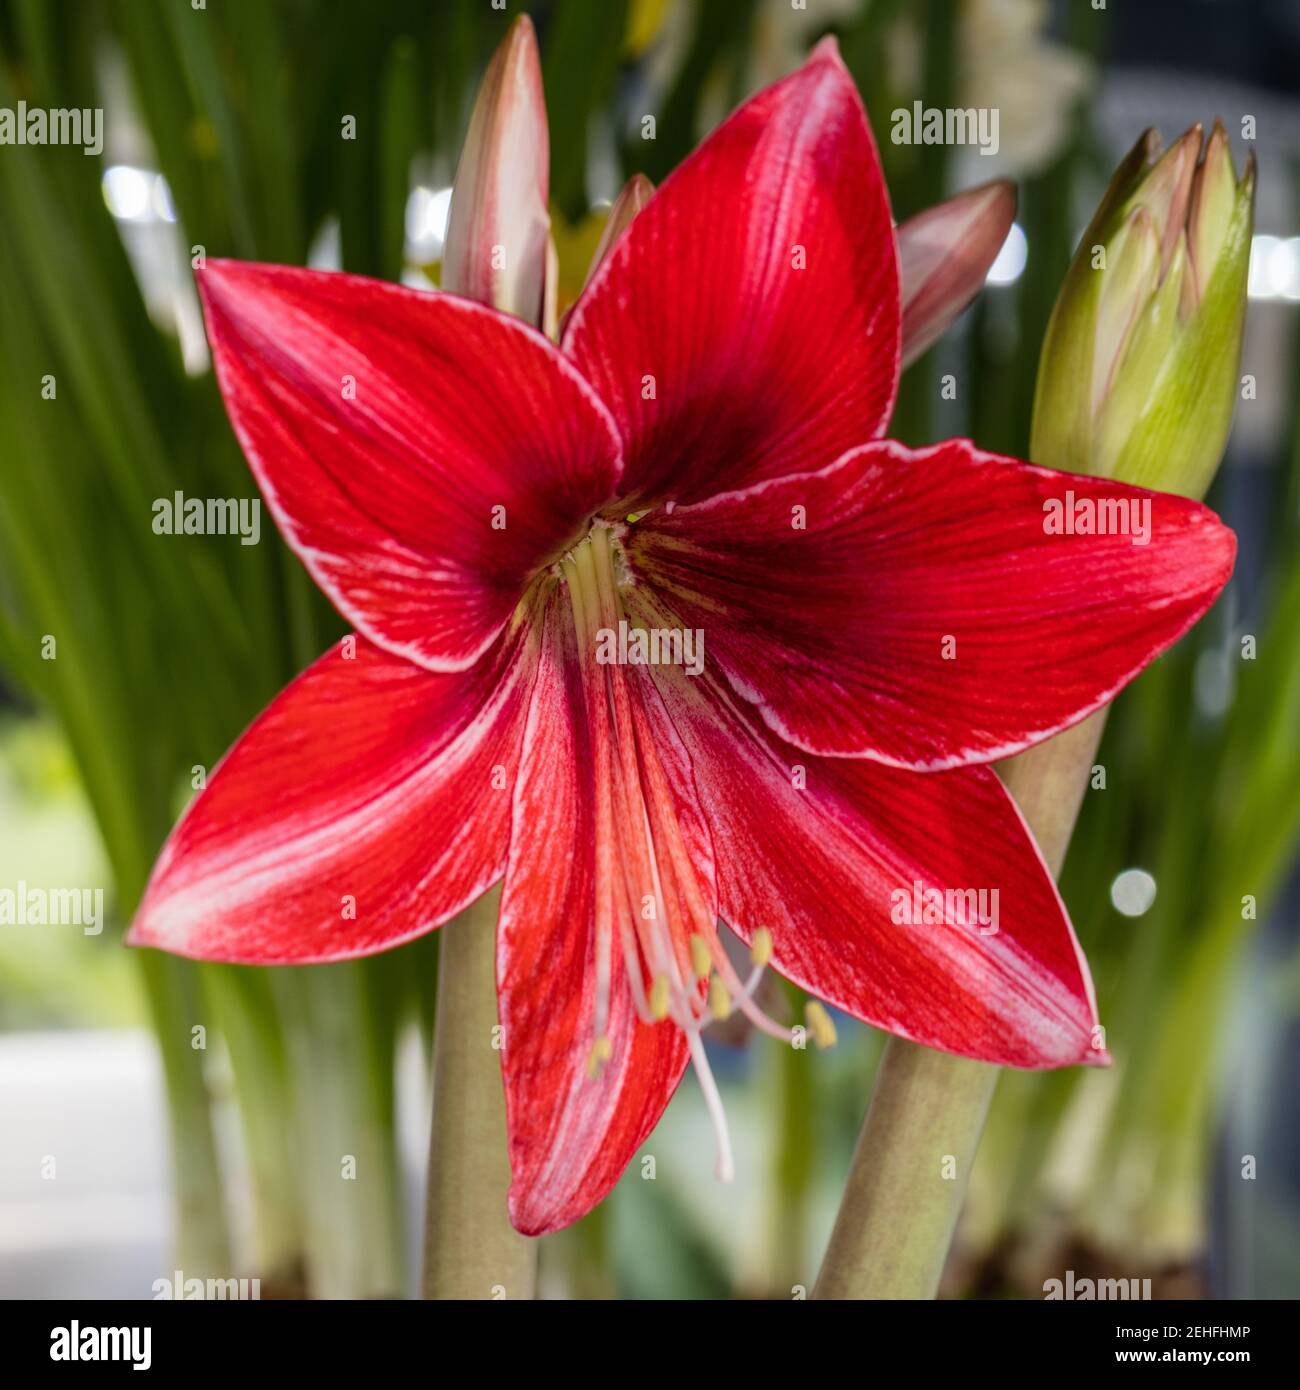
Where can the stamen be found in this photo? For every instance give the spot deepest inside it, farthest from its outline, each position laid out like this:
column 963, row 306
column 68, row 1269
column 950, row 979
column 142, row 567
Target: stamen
column 647, row 884
column 751, row 984
column 820, row 1025
column 719, row 999
column 743, row 996
column 726, row 1166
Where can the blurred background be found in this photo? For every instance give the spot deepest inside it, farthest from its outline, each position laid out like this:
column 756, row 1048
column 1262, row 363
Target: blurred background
column 157, row 1115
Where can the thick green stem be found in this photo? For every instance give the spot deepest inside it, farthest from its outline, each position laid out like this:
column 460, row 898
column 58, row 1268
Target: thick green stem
column 912, row 1165
column 909, row 1175
column 1049, row 781
column 471, row 1249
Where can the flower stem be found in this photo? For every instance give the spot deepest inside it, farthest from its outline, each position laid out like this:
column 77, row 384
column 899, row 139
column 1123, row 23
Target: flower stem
column 471, row 1250
column 912, row 1164
column 909, row 1174
column 1048, row 783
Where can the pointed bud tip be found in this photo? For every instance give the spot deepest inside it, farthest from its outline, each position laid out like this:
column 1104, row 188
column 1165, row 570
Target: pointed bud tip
column 827, row 50
column 1218, row 148
column 1187, row 148
column 636, row 193
column 1005, row 188
column 519, row 51
column 1248, row 174
column 640, row 190
column 1166, row 189
column 944, row 257
column 522, row 30
column 1001, row 198
column 499, row 194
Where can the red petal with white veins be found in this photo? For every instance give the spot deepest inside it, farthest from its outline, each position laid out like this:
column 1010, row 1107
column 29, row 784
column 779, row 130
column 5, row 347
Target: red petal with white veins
column 369, row 803
column 936, row 607
column 424, row 455
column 747, row 324
column 570, row 884
column 830, row 854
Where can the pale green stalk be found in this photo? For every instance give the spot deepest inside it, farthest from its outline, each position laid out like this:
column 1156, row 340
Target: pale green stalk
column 471, row 1249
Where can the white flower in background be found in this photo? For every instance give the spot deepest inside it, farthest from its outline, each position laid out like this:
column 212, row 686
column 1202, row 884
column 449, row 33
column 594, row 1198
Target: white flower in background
column 1006, row 61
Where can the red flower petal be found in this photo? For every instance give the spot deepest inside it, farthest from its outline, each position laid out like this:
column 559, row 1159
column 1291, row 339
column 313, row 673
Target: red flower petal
column 758, row 368
column 571, row 1133
column 923, row 615
column 816, row 850
column 424, row 455
column 368, row 804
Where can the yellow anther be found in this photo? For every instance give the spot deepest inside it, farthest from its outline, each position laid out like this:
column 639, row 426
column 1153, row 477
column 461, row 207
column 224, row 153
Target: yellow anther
column 760, row 949
column 659, row 997
column 601, row 1051
column 719, row 999
column 701, row 956
column 820, row 1025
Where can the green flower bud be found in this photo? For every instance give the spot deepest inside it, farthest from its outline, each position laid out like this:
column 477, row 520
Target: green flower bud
column 1138, row 376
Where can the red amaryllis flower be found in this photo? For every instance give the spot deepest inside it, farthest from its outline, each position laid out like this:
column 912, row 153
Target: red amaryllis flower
column 847, row 631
